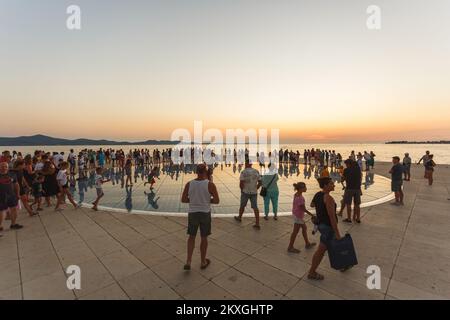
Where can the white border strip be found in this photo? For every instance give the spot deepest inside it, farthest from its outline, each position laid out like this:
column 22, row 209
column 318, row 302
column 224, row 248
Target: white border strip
column 222, row 215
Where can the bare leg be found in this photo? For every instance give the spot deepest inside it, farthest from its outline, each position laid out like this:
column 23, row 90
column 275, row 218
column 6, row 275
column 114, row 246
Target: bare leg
column 69, row 196
column 293, row 236
column 24, row 199
column 190, row 249
column 349, row 212
column 203, row 249
column 305, row 235
column 357, row 212
column 13, row 215
column 256, row 217
column 317, row 258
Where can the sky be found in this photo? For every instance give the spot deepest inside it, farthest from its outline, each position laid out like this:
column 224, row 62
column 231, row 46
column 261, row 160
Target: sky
column 312, row 69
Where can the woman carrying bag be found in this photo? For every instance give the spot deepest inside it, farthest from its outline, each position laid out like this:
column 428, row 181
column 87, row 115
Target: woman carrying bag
column 270, row 192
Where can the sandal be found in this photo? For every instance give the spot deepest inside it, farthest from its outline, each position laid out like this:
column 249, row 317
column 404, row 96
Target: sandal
column 256, row 227
column 237, row 218
column 266, row 218
column 315, row 276
column 310, row 245
column 275, row 218
column 293, row 250
column 347, row 220
column 187, row 267
column 204, row 266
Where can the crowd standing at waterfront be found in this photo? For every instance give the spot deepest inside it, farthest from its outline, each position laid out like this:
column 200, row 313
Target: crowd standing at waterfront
column 25, row 181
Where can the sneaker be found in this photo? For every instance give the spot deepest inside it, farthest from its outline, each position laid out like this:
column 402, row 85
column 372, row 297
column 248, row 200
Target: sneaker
column 16, row 226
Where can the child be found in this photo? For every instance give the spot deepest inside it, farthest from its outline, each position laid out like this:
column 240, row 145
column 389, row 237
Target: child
column 63, row 184
column 98, row 186
column 37, row 191
column 151, row 177
column 298, row 213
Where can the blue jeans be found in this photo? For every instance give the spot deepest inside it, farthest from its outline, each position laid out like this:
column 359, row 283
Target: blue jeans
column 272, row 195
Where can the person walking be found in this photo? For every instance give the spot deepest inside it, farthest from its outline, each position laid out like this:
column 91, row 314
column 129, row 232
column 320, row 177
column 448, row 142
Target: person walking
column 270, row 185
column 200, row 193
column 249, row 183
column 325, row 207
column 298, row 213
column 425, row 159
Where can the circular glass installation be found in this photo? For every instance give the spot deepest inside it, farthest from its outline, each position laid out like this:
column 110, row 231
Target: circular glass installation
column 164, row 198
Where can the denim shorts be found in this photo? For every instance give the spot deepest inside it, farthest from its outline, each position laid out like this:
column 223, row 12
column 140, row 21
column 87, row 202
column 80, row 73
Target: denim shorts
column 326, row 233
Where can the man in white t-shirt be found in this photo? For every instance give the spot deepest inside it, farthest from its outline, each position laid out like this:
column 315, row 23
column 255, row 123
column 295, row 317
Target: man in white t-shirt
column 58, row 158
column 249, row 182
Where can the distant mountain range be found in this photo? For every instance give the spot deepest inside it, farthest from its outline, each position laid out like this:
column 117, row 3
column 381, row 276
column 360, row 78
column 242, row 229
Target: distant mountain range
column 419, row 142
column 41, row 140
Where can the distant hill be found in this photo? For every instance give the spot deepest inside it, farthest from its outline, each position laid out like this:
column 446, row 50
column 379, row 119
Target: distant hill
column 41, row 140
column 418, row 142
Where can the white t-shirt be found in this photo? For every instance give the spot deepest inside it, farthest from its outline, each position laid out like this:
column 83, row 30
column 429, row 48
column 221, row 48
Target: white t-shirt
column 98, row 181
column 39, row 166
column 62, row 177
column 71, row 157
column 250, row 177
column 57, row 158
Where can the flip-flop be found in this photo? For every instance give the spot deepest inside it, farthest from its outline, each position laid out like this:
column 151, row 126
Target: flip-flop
column 347, row 220
column 256, row 227
column 187, row 267
column 293, row 250
column 237, row 219
column 309, row 246
column 204, row 266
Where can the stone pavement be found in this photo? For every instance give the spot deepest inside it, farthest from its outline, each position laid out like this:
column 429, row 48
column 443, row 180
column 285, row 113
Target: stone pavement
column 125, row 256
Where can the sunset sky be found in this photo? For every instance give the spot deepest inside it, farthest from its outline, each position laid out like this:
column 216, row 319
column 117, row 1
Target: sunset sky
column 140, row 69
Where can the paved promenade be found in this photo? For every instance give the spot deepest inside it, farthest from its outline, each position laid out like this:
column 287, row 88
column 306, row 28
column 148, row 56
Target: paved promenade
column 124, row 256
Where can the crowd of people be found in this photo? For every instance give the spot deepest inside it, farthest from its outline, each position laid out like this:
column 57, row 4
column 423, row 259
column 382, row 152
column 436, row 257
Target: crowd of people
column 31, row 181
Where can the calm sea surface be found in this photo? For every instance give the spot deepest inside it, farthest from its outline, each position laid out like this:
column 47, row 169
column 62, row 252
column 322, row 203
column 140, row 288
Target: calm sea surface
column 384, row 152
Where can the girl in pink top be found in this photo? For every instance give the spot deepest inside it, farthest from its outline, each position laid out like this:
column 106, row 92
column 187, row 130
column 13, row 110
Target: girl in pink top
column 298, row 213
